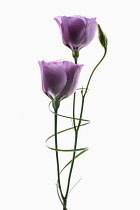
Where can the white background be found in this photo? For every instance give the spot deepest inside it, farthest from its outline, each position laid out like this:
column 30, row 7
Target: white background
column 110, row 170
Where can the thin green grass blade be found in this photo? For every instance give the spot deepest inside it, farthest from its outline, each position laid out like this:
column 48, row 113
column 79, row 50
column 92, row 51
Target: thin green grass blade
column 66, row 116
column 83, row 151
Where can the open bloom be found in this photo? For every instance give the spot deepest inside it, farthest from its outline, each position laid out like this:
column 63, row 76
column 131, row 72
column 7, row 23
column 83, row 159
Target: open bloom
column 59, row 79
column 77, row 31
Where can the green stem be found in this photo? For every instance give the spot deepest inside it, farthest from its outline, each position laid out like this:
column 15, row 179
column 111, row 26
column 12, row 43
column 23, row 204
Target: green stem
column 83, row 96
column 81, row 113
column 79, row 123
column 94, row 70
column 80, row 119
column 74, row 124
column 56, row 151
column 75, row 142
column 75, row 59
column 72, row 164
column 64, row 203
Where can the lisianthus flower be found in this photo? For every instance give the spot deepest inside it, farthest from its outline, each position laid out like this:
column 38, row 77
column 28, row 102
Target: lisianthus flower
column 59, row 79
column 77, row 31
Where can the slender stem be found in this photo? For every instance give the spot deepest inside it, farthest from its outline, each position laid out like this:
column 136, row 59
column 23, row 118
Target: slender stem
column 72, row 163
column 74, row 124
column 94, row 70
column 64, row 203
column 56, row 151
column 75, row 59
column 83, row 96
column 80, row 119
column 75, row 142
column 82, row 107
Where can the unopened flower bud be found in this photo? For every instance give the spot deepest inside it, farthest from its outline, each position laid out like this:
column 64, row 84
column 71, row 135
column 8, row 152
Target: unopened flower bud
column 102, row 37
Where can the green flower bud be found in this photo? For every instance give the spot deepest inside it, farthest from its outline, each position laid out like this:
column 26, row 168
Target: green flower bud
column 102, row 37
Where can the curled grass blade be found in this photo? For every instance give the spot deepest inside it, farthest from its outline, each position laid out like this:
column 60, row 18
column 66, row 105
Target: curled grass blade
column 79, row 150
column 67, row 116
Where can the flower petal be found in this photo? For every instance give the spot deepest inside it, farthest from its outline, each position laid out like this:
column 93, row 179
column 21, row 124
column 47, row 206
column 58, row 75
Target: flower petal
column 72, row 72
column 63, row 25
column 53, row 78
column 90, row 32
column 77, row 31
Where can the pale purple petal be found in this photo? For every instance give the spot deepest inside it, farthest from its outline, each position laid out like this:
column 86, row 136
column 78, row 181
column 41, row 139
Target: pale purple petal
column 90, row 32
column 53, row 78
column 84, row 19
column 59, row 79
column 44, row 87
column 63, row 25
column 72, row 72
column 77, row 31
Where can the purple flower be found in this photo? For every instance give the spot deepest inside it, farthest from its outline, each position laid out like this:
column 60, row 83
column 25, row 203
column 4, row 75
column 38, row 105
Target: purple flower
column 59, row 79
column 77, row 31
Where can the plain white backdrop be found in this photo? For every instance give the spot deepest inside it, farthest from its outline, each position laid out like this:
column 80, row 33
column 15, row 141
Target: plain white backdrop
column 110, row 170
